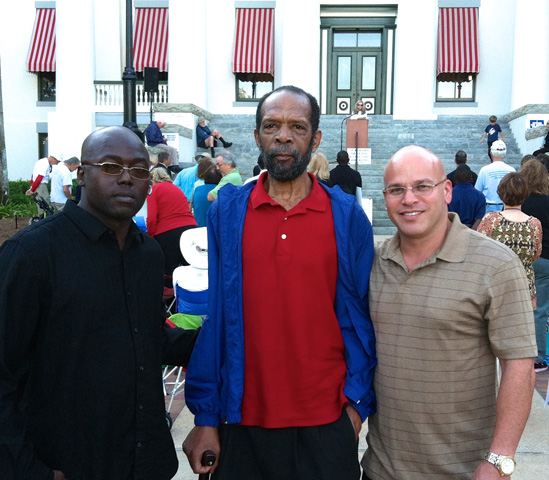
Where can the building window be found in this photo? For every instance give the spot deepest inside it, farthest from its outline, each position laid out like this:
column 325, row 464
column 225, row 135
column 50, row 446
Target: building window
column 42, row 145
column 251, row 91
column 46, row 86
column 456, row 91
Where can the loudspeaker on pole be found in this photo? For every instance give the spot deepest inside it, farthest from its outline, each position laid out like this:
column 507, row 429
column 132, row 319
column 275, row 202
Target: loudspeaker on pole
column 151, row 79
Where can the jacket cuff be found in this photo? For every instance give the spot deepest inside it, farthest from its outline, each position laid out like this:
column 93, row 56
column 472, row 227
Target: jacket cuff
column 206, row 420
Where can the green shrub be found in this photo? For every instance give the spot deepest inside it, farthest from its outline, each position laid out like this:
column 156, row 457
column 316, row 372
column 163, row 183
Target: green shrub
column 19, row 203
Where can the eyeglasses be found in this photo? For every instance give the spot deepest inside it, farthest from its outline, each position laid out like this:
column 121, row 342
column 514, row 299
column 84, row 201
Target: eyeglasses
column 418, row 190
column 109, row 168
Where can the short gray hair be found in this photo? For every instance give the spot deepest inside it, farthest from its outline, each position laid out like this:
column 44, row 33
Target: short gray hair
column 73, row 161
column 228, row 158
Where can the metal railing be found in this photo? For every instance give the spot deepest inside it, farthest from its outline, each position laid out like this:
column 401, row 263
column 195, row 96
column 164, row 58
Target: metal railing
column 109, row 96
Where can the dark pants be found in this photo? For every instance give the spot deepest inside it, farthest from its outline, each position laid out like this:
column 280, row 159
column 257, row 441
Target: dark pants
column 489, row 147
column 326, row 452
column 169, row 242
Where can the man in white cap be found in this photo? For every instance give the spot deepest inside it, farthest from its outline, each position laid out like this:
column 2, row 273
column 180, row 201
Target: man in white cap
column 206, row 138
column 41, row 176
column 490, row 176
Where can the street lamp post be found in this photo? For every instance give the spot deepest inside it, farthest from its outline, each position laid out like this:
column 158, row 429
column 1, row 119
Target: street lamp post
column 129, row 77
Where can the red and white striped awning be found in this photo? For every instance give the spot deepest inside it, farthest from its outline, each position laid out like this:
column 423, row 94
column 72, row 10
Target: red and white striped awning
column 458, row 55
column 150, row 39
column 254, row 44
column 41, row 56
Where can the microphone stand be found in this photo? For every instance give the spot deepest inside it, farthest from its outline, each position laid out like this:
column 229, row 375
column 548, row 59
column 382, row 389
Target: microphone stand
column 341, row 131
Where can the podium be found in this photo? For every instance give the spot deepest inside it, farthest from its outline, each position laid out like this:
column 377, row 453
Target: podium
column 357, row 133
column 357, row 141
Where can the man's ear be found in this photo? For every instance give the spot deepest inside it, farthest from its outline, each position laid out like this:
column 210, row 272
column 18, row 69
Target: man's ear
column 316, row 140
column 80, row 176
column 257, row 140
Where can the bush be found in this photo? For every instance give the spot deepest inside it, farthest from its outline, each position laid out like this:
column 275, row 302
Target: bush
column 19, row 204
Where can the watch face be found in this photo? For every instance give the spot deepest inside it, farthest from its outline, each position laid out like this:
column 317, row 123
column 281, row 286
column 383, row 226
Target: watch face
column 507, row 466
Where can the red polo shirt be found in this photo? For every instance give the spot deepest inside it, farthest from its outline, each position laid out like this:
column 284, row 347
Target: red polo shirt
column 294, row 353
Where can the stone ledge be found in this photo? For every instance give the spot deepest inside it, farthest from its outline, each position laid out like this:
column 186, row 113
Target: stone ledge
column 535, row 132
column 182, row 108
column 525, row 109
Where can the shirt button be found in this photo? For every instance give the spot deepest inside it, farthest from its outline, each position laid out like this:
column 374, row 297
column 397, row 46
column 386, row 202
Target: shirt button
column 283, row 236
column 140, row 407
column 136, row 330
column 141, row 367
column 139, row 444
column 286, row 218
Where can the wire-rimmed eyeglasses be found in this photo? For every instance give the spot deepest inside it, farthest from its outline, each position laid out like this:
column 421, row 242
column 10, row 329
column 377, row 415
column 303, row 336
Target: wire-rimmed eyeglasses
column 109, row 168
column 418, row 190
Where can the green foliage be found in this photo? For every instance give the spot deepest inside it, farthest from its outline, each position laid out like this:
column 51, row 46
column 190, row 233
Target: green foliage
column 19, row 204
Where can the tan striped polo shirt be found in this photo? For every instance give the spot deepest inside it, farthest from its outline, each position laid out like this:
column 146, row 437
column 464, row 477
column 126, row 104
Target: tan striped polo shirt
column 438, row 330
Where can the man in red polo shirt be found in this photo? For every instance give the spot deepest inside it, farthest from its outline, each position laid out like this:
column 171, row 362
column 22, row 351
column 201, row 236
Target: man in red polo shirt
column 281, row 377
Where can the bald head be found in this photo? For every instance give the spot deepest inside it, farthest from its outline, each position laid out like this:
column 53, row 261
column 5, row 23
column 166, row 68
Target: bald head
column 112, row 190
column 418, row 197
column 106, row 140
column 412, row 156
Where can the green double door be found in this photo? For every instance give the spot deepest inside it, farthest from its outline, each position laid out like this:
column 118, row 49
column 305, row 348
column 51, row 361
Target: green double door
column 356, row 76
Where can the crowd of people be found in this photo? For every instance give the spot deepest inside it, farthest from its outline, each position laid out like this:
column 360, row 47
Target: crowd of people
column 310, row 330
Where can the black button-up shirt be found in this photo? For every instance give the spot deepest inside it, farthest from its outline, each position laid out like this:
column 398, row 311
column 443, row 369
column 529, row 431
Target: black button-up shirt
column 82, row 342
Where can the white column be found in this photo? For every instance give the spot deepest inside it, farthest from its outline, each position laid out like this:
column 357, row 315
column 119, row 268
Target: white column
column 415, row 60
column 531, row 50
column 297, row 44
column 74, row 118
column 187, row 52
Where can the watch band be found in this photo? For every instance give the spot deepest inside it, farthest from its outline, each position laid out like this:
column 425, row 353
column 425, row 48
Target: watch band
column 505, row 464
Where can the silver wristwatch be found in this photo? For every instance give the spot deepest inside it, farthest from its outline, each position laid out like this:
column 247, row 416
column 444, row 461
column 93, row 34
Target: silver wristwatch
column 506, row 465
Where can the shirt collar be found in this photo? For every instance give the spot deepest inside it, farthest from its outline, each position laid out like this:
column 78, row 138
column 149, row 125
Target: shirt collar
column 316, row 200
column 91, row 226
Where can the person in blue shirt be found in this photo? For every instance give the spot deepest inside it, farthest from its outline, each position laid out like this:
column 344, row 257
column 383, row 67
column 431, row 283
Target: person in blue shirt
column 155, row 138
column 467, row 202
column 493, row 130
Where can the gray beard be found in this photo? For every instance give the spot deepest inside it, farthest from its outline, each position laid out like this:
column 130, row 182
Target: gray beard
column 295, row 170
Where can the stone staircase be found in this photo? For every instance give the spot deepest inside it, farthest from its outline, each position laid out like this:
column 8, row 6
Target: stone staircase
column 444, row 136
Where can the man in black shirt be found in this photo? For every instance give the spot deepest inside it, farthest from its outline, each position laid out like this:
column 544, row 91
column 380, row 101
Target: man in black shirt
column 461, row 159
column 344, row 176
column 82, row 332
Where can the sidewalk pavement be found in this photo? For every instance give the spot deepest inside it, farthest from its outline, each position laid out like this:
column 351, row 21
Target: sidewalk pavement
column 532, row 454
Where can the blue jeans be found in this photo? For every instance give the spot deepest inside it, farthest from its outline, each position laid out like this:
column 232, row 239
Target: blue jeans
column 541, row 313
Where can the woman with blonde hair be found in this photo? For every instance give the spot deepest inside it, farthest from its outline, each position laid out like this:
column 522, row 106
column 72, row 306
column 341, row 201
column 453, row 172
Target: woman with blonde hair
column 320, row 168
column 359, row 110
column 537, row 204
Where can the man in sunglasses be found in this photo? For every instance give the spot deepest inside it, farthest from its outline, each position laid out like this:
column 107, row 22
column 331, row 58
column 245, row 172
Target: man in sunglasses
column 82, row 331
column 446, row 302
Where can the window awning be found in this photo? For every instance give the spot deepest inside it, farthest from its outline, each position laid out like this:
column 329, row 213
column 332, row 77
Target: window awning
column 254, row 45
column 41, row 56
column 458, row 56
column 150, row 39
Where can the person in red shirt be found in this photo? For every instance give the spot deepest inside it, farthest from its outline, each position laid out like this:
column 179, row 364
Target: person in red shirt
column 168, row 216
column 281, row 382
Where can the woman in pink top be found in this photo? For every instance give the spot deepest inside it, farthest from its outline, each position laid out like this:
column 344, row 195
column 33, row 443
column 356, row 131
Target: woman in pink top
column 168, row 216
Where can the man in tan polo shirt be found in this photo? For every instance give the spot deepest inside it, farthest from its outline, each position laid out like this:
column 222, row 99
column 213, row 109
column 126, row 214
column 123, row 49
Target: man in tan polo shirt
column 445, row 302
